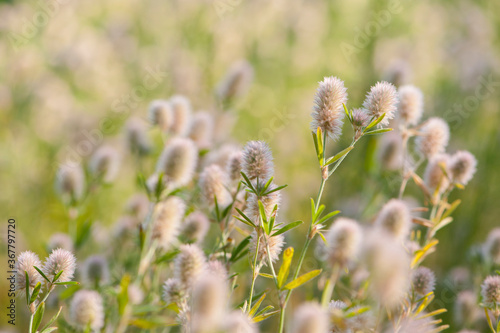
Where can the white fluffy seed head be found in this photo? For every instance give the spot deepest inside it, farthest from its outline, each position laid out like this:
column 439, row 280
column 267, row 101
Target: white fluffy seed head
column 490, row 291
column 86, row 309
column 389, row 267
column 105, row 163
column 239, row 322
column 189, row 264
column 167, row 219
column 492, row 246
column 344, row 241
column 178, row 162
column 433, row 138
column 60, row 260
column 395, row 218
column 275, row 246
column 434, row 177
column 382, row 98
column 217, row 268
column 423, row 280
column 95, row 271
column 181, row 110
column 173, row 291
column 462, row 166
column 70, row 181
column 269, row 201
column 310, row 318
column 236, row 82
column 233, row 167
column 136, row 136
column 195, row 227
column 411, row 104
column 160, row 114
column 201, row 130
column 208, row 304
column 25, row 263
column 213, row 184
column 257, row 161
column 328, row 111
column 60, row 240
column 391, row 151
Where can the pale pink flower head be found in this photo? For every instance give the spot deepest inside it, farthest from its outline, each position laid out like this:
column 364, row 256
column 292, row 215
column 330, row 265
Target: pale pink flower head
column 167, row 219
column 411, row 104
column 105, row 163
column 395, row 218
column 434, row 176
column 492, row 246
column 189, row 265
column 202, row 129
column 161, row 114
column 181, row 111
column 423, row 280
column 344, row 241
column 25, row 264
column 275, row 246
column 87, row 309
column 382, row 98
column 490, row 291
column 178, row 162
column 213, row 184
column 258, row 161
column 433, row 138
column 328, row 111
column 310, row 318
column 60, row 260
column 462, row 166
column 236, row 82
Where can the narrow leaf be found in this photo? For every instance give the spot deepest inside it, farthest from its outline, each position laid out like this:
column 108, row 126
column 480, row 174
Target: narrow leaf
column 339, row 155
column 287, row 227
column 52, row 320
column 69, row 283
column 27, row 287
column 57, row 276
column 378, row 131
column 375, row 122
column 328, row 216
column 452, row 208
column 240, row 247
column 41, row 273
column 37, row 318
column 256, row 305
column 302, row 279
column 244, row 216
column 279, row 188
column 264, row 316
column 35, row 293
column 285, row 266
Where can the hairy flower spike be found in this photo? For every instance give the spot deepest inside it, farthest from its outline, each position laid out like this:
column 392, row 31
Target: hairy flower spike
column 360, row 119
column 258, row 161
column 395, row 218
column 381, row 99
column 173, row 291
column 268, row 201
column 202, row 129
column 275, row 246
column 490, row 291
column 95, row 271
column 189, row 264
column 492, row 246
column 236, row 82
column 166, row 221
column 310, row 318
column 105, row 163
column 328, row 111
column 70, row 181
column 434, row 137
column 213, row 184
column 434, row 176
column 181, row 110
column 25, row 263
column 239, row 322
column 60, row 260
column 233, row 167
column 209, row 300
column 195, row 227
column 136, row 136
column 344, row 241
column 161, row 114
column 60, row 240
column 423, row 280
column 86, row 309
column 411, row 104
column 462, row 166
column 178, row 162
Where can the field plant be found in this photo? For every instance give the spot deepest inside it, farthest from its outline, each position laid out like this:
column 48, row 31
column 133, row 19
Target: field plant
column 201, row 247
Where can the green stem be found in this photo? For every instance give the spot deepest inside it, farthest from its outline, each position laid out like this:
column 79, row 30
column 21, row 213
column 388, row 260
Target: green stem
column 254, row 276
column 330, row 285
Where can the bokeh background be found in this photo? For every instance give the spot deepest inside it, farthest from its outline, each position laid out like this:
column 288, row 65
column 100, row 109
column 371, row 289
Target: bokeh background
column 70, row 69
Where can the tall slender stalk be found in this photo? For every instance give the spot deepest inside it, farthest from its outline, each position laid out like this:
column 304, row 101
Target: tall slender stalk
column 254, row 274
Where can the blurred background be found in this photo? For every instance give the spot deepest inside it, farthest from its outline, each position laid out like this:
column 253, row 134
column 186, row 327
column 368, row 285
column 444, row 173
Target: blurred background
column 73, row 70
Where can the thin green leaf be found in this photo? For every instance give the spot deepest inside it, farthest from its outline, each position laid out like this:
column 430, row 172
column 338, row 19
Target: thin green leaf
column 167, row 256
column 246, row 222
column 323, row 238
column 335, row 158
column 264, row 310
column 49, row 329
column 35, row 293
column 302, row 279
column 263, row 217
column 256, row 305
column 68, row 283
column 328, row 216
column 27, row 288
column 375, row 122
column 279, row 188
column 267, row 276
column 264, row 316
column 451, row 209
column 285, row 266
column 217, row 213
column 313, row 205
column 287, row 227
column 240, row 247
column 57, row 276
column 41, row 273
column 52, row 320
column 159, row 187
column 248, row 183
column 347, row 113
column 378, row 131
column 319, row 137
column 37, row 318
column 267, row 185
column 316, row 146
column 227, row 210
column 244, row 216
column 321, row 208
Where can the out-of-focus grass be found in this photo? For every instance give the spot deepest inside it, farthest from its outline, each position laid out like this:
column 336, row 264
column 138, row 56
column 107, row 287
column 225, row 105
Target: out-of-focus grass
column 76, row 68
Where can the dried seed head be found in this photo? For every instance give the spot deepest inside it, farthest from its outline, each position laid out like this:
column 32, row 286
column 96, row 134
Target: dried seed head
column 423, row 280
column 86, row 309
column 381, row 99
column 167, row 220
column 411, row 104
column 209, row 300
column 189, row 264
column 490, row 291
column 360, row 119
column 434, row 137
column 275, row 246
column 466, row 309
column 105, row 163
column 95, row 271
column 60, row 260
column 258, row 161
column 25, row 262
column 462, row 166
column 344, row 241
column 173, row 291
column 239, row 322
column 434, row 176
column 178, row 162
column 328, row 111
column 136, row 136
column 70, row 181
column 217, row 268
column 213, row 184
column 161, row 114
column 236, row 82
column 391, row 151
column 268, row 201
column 492, row 246
column 389, row 267
column 395, row 218
column 138, row 206
column 310, row 318
column 195, row 227
column 181, row 110
column 233, row 167
column 135, row 294
column 60, row 240
column 202, row 129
